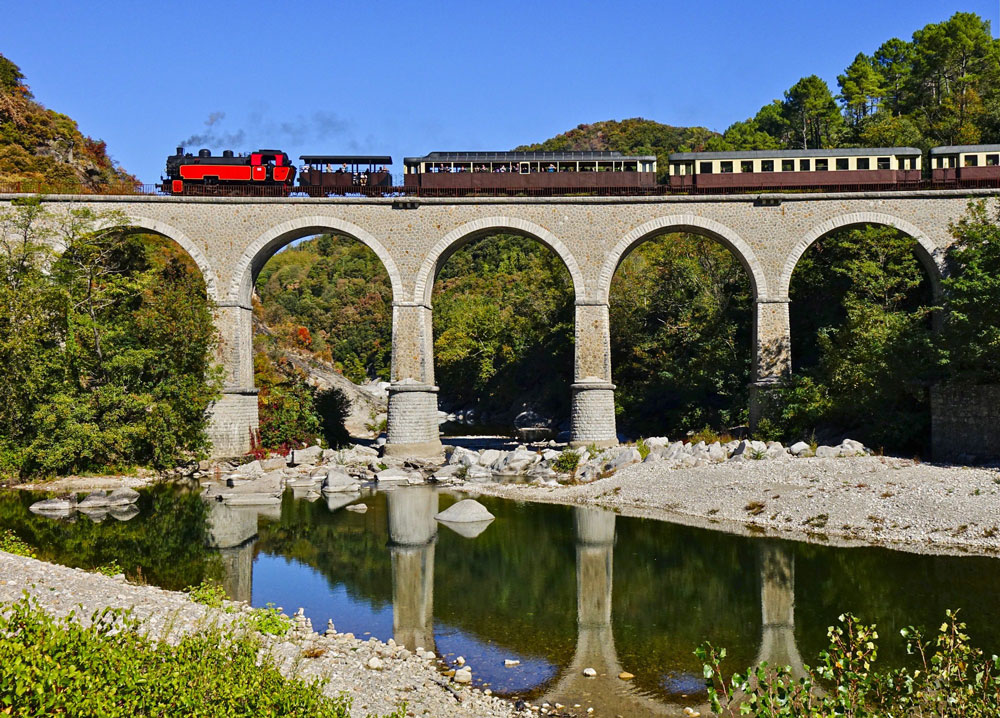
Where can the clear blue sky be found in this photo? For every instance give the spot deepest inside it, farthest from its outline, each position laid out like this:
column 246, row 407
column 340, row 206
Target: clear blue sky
column 406, row 78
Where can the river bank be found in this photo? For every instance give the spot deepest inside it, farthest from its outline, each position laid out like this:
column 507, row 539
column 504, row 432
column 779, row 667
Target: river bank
column 378, row 676
column 862, row 500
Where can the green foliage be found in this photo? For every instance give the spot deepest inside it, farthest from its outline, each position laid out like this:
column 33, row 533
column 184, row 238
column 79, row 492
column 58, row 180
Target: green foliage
column 940, row 88
column 58, row 667
column 208, row 593
column 268, row 620
column 110, row 569
column 338, row 291
column 680, row 336
column 567, row 461
column 971, row 336
column 952, row 678
column 503, row 326
column 286, row 404
column 861, row 340
column 11, row 543
column 105, row 349
column 643, row 448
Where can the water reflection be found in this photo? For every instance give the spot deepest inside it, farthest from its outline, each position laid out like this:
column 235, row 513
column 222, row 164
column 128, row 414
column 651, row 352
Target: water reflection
column 510, row 592
column 777, row 606
column 412, row 535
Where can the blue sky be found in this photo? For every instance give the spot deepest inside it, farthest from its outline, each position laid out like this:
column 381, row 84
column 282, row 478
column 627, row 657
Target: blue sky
column 406, row 78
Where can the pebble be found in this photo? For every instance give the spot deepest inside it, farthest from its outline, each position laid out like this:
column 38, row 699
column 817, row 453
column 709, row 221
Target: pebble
column 626, row 676
column 463, row 676
column 589, row 672
column 510, row 663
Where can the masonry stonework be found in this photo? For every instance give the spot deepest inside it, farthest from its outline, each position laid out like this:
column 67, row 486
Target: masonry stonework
column 230, row 239
column 964, row 421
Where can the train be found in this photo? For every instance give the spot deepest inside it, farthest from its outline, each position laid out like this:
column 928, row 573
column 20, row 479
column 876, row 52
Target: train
column 444, row 174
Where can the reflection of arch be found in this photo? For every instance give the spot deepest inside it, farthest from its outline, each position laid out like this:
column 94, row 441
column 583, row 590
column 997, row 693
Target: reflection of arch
column 929, row 255
column 684, row 223
column 459, row 236
column 137, row 222
column 262, row 248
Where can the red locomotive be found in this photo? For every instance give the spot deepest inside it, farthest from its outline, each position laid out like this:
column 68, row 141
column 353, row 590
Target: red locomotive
column 230, row 173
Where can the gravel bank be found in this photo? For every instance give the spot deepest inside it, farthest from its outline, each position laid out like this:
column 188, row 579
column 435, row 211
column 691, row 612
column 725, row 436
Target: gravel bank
column 922, row 508
column 402, row 676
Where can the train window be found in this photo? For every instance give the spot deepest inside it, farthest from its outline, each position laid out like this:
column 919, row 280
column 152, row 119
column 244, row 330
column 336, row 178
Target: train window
column 843, row 163
column 862, row 163
column 883, row 163
column 746, row 166
column 767, row 165
column 705, row 168
column 822, row 165
column 787, row 165
column 804, row 166
column 992, row 160
column 725, row 167
column 971, row 160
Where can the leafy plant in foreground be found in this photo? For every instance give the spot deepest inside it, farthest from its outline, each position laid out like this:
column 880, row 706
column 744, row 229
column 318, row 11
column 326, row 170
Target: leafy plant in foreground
column 58, row 667
column 953, row 679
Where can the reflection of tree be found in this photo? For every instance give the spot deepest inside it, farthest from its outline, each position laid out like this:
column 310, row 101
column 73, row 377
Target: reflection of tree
column 892, row 589
column 166, row 542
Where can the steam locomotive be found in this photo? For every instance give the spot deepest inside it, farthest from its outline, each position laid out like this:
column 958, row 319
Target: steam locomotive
column 228, row 173
column 451, row 174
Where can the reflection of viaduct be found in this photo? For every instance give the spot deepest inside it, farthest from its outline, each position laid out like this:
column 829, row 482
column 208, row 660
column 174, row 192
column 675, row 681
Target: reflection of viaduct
column 412, row 539
column 230, row 239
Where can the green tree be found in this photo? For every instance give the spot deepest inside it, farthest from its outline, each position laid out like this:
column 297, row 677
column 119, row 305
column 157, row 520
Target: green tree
column 862, row 340
column 971, row 336
column 860, row 89
column 106, row 347
column 811, row 109
column 680, row 336
column 893, row 59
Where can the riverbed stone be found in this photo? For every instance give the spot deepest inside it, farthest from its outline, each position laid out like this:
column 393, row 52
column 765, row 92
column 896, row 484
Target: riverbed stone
column 467, row 510
column 94, row 500
column 827, row 452
column 799, row 448
column 488, row 456
column 123, row 496
column 309, row 455
column 478, row 473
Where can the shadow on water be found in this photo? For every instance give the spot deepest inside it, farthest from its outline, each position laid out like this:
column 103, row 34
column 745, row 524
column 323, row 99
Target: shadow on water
column 558, row 588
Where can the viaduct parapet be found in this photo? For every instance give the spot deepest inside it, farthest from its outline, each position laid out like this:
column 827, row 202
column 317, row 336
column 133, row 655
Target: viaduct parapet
column 230, row 239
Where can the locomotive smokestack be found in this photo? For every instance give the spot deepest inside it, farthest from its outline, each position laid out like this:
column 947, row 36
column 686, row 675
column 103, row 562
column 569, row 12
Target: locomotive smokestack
column 180, row 151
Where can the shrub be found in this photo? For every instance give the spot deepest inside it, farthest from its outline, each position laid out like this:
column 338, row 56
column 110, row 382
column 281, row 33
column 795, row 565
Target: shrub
column 11, row 543
column 208, row 593
column 952, row 678
column 268, row 620
column 567, row 462
column 58, row 667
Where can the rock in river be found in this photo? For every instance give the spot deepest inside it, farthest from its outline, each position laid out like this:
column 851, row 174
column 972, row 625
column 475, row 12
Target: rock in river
column 122, row 497
column 54, row 506
column 466, row 511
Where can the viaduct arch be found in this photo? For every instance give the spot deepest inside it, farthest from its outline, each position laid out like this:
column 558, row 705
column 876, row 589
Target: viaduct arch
column 230, row 238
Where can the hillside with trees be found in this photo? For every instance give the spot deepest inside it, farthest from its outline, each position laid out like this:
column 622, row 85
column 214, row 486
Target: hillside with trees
column 634, row 136
column 941, row 87
column 42, row 146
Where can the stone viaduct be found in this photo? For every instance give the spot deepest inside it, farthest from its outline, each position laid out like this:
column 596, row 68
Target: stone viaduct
column 230, row 239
